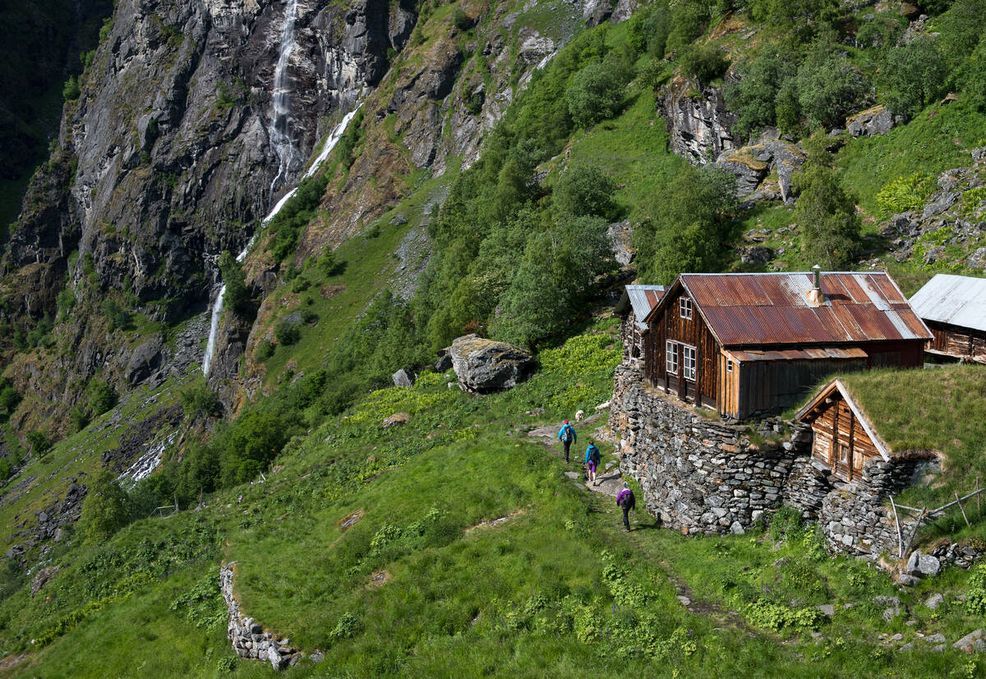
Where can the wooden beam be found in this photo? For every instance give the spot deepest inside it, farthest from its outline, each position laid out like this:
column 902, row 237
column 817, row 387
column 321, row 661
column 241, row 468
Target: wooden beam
column 900, row 537
column 962, row 509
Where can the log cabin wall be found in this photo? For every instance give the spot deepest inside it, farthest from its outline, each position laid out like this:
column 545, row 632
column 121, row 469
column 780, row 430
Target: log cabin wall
column 958, row 342
column 840, row 441
column 771, row 386
column 691, row 333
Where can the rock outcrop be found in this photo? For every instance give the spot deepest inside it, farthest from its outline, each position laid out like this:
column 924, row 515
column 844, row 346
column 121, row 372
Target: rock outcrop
column 248, row 637
column 871, row 122
column 484, row 366
column 765, row 170
column 698, row 121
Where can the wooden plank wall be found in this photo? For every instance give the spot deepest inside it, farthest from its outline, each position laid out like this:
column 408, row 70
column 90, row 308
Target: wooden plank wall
column 670, row 326
column 772, row 386
column 958, row 342
column 838, row 423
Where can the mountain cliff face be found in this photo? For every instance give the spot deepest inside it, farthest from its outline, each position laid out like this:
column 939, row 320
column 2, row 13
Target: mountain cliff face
column 192, row 120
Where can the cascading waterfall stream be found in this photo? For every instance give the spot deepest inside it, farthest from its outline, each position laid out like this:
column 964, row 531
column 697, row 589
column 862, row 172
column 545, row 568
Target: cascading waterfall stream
column 280, row 136
column 217, row 305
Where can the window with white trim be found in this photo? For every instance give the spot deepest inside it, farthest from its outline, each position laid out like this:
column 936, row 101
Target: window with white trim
column 688, row 361
column 729, row 366
column 685, row 307
column 671, row 357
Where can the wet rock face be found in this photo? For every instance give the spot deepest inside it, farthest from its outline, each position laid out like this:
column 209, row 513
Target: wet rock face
column 484, row 366
column 699, row 124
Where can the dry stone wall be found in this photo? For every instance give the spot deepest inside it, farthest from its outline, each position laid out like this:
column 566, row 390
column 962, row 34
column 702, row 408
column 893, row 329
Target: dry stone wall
column 247, row 636
column 702, row 475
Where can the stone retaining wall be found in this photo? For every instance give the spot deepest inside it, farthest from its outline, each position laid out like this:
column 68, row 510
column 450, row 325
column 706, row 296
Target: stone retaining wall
column 248, row 638
column 702, row 475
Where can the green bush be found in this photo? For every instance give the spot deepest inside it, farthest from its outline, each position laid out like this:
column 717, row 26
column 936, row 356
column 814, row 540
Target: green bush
column 198, row 400
column 237, row 296
column 912, row 76
column 78, row 418
column 972, row 78
column 9, row 399
column 101, row 397
column 585, row 190
column 118, row 316
column 287, row 332
column 105, row 510
column 38, row 443
column 802, row 18
column 287, row 226
column 71, row 90
column 755, row 98
column 687, row 22
column 830, row 87
column 961, row 29
column 265, row 349
column 826, row 215
column 705, row 63
column 595, row 94
column 975, row 602
column 905, row 193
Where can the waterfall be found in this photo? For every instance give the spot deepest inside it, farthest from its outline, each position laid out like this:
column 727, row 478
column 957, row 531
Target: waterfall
column 280, row 137
column 217, row 304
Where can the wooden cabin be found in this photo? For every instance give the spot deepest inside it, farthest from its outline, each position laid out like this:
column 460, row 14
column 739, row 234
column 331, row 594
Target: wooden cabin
column 844, row 439
column 954, row 309
column 634, row 306
column 755, row 344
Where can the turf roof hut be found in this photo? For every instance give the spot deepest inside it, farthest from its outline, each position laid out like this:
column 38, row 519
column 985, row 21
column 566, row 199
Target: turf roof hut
column 954, row 308
column 633, row 307
column 752, row 344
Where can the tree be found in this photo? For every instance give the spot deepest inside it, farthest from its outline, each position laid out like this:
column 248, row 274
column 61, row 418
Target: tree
column 826, row 215
column 595, row 94
column 237, row 296
column 830, row 87
column 102, row 397
column 105, row 510
column 913, row 75
column 38, row 442
column 705, row 63
column 691, row 226
column 585, row 190
column 755, row 97
column 973, row 77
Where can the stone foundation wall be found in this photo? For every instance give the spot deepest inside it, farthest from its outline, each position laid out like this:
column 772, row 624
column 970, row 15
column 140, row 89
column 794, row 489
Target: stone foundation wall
column 854, row 516
column 702, row 475
column 698, row 474
column 248, row 638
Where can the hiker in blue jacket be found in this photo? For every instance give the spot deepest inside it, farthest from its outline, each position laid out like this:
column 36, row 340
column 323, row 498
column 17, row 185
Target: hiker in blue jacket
column 592, row 459
column 567, row 436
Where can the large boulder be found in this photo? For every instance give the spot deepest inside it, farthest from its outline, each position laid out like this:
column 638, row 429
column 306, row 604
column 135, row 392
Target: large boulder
column 872, row 121
column 484, row 365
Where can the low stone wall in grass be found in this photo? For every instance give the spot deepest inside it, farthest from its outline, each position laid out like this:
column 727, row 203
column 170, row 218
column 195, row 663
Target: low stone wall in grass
column 699, row 474
column 247, row 636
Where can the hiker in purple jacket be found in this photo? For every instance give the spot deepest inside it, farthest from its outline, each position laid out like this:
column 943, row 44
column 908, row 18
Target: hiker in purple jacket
column 626, row 501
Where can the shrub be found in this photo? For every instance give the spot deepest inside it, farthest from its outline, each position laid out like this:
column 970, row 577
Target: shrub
column 118, row 316
column 826, row 215
column 9, row 399
column 198, row 400
column 755, row 97
column 105, row 510
column 38, row 443
column 71, row 90
column 962, row 27
column 687, row 22
column 705, row 63
column 287, row 332
column 829, row 87
column 594, row 94
column 102, row 397
column 905, row 193
column 585, row 190
column 803, row 18
column 972, row 78
column 237, row 295
column 287, row 226
column 913, row 75
column 265, row 349
column 975, row 602
column 79, row 418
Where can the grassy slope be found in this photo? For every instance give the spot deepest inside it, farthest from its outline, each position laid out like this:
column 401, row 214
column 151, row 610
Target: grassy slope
column 558, row 590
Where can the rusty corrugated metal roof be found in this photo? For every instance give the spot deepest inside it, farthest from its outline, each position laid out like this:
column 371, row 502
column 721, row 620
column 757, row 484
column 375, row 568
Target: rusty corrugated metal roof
column 773, row 308
column 811, row 354
column 641, row 299
column 956, row 300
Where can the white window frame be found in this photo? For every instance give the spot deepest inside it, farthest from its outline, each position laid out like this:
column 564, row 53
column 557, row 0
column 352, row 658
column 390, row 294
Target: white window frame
column 685, row 308
column 689, row 354
column 671, row 362
column 729, row 365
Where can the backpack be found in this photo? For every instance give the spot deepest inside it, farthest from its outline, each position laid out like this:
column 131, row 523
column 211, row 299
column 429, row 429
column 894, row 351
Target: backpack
column 567, row 434
column 594, row 455
column 630, row 502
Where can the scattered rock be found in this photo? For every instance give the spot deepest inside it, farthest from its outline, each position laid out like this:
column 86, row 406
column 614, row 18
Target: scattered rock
column 828, row 610
column 923, row 565
column 934, row 601
column 403, row 378
column 379, row 578
column 42, row 577
column 396, row 420
column 973, row 642
column 573, row 475
column 685, row 601
column 892, row 607
column 872, row 121
column 444, row 361
column 937, row 638
column 757, row 254
column 350, row 520
column 484, row 366
column 621, row 242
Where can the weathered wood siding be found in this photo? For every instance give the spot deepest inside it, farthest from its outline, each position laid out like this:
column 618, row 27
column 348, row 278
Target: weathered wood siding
column 840, row 442
column 670, row 326
column 771, row 386
column 958, row 342
column 909, row 354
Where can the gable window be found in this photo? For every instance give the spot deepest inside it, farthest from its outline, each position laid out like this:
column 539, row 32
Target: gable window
column 671, row 358
column 685, row 307
column 689, row 363
column 729, row 366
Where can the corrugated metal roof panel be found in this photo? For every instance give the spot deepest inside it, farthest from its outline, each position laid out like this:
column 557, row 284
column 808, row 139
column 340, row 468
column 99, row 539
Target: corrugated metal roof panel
column 817, row 354
column 765, row 309
column 956, row 300
column 642, row 299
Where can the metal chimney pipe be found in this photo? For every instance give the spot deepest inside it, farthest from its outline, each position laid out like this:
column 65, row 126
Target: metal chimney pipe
column 817, row 270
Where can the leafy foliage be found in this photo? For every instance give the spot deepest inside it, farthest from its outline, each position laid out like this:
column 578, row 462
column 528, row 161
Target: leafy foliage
column 286, row 227
column 105, row 510
column 237, row 295
column 905, row 193
column 913, row 75
column 584, row 191
column 705, row 63
column 595, row 94
column 826, row 214
column 830, row 86
column 755, row 98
